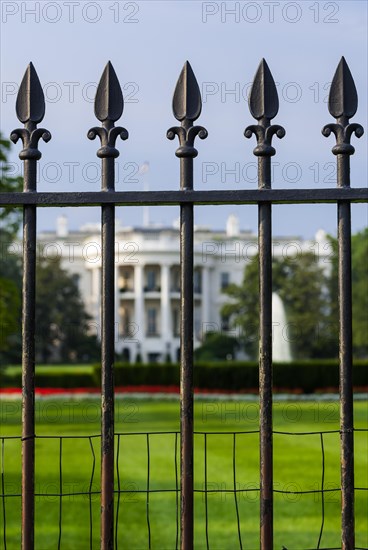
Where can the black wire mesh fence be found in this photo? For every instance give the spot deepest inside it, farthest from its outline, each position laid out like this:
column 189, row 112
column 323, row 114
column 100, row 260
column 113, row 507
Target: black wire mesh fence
column 60, row 493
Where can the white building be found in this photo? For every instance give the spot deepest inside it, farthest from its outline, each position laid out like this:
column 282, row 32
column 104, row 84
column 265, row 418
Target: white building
column 147, row 275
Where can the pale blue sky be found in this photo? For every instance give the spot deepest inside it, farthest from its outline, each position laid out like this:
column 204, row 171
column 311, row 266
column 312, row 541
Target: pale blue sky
column 148, row 43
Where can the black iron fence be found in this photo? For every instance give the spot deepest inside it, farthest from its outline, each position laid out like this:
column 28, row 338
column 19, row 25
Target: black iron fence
column 263, row 103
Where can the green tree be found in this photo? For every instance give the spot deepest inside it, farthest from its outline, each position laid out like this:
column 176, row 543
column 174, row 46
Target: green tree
column 359, row 268
column 10, row 264
column 216, row 347
column 302, row 284
column 9, row 217
column 62, row 324
column 359, row 263
column 9, row 320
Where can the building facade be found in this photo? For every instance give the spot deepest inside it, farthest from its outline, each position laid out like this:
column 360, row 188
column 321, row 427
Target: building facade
column 147, row 275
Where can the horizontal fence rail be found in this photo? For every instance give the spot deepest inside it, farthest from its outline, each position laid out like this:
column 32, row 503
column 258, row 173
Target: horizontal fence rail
column 173, row 198
column 187, row 104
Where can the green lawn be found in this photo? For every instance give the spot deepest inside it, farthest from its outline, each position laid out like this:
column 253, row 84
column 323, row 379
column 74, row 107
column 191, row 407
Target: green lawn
column 297, row 467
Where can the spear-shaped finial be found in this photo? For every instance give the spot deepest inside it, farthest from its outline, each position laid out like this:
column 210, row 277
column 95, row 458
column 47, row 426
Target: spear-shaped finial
column 343, row 97
column 343, row 104
column 263, row 99
column 187, row 106
column 264, row 106
column 109, row 106
column 109, row 101
column 30, row 105
column 187, row 101
column 30, row 109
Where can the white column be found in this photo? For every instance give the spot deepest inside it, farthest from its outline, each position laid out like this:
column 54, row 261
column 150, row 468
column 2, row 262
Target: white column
column 166, row 330
column 117, row 306
column 95, row 286
column 96, row 297
column 139, row 305
column 206, row 289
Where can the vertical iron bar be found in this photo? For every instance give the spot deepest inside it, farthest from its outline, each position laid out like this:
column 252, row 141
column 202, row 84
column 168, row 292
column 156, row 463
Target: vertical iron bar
column 28, row 359
column 342, row 105
column 346, row 360
column 187, row 105
column 109, row 105
column 60, row 489
column 264, row 106
column 265, row 357
column 186, row 358
column 30, row 109
column 107, row 353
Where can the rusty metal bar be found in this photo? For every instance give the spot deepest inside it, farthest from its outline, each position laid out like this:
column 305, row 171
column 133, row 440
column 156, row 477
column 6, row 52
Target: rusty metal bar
column 346, row 358
column 263, row 105
column 342, row 105
column 28, row 360
column 346, row 377
column 187, row 106
column 107, row 374
column 186, row 359
column 109, row 106
column 265, row 360
column 30, row 109
column 170, row 198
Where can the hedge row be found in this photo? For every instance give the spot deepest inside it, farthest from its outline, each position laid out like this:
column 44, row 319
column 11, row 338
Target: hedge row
column 307, row 376
column 53, row 377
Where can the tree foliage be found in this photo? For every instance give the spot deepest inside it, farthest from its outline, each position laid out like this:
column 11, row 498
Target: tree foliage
column 301, row 283
column 10, row 274
column 216, row 347
column 9, row 217
column 359, row 262
column 9, row 313
column 62, row 324
column 359, row 269
column 308, row 287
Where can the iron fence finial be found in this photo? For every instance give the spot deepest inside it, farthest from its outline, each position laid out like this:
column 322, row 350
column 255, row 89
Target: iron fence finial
column 263, row 99
column 264, row 106
column 30, row 109
column 109, row 106
column 187, row 102
column 342, row 105
column 187, row 106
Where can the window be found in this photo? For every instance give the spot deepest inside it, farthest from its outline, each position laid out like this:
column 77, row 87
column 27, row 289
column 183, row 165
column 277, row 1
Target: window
column 225, row 280
column 176, row 322
column 197, row 281
column 154, row 357
column 126, row 328
column 175, row 280
column 76, row 279
column 151, row 321
column 151, row 280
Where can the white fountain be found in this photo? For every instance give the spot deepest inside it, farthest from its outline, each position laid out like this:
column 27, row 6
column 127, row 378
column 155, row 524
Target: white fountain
column 280, row 345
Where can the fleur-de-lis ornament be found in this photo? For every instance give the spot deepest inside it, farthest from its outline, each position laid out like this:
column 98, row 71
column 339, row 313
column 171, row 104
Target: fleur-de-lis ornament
column 264, row 106
column 30, row 109
column 187, row 106
column 342, row 105
column 109, row 106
